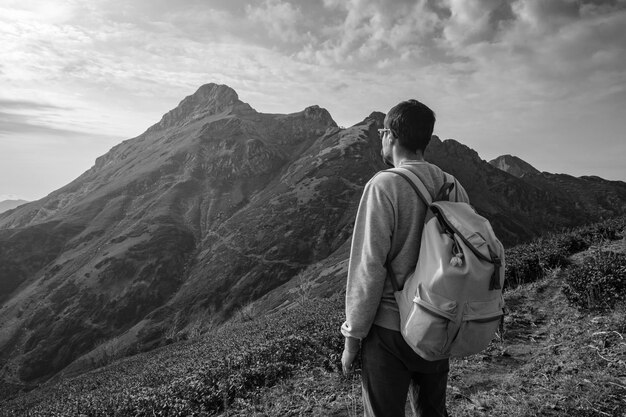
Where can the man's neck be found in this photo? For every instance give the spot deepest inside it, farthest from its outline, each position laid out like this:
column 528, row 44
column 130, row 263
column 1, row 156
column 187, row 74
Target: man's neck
column 407, row 156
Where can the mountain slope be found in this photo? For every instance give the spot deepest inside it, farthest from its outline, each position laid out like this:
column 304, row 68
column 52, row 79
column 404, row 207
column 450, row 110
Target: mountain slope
column 214, row 207
column 210, row 207
column 127, row 230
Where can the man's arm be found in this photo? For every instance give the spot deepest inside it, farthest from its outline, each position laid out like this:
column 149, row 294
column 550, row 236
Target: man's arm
column 371, row 242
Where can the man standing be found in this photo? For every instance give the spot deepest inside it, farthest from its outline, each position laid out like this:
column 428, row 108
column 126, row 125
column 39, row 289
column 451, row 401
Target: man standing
column 385, row 245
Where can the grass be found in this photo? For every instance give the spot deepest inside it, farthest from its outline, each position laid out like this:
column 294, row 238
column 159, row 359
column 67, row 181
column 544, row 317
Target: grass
column 554, row 358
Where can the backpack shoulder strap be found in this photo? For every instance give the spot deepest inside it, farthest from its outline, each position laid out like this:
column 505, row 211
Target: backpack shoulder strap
column 423, row 194
column 445, row 192
column 415, row 183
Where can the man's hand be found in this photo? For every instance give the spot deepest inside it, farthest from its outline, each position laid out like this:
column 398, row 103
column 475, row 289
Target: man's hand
column 347, row 358
column 350, row 350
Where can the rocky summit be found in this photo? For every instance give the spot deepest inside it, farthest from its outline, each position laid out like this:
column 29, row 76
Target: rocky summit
column 514, row 165
column 213, row 208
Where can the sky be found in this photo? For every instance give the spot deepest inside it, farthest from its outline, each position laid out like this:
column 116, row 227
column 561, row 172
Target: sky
column 541, row 80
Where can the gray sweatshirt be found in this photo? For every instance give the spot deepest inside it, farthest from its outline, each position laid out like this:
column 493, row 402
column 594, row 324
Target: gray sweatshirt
column 388, row 226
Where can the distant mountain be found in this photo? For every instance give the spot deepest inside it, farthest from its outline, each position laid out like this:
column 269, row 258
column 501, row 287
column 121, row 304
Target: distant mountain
column 6, row 205
column 212, row 208
column 513, row 165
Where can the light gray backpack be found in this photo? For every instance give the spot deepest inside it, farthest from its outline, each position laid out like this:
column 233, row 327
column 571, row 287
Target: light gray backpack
column 452, row 305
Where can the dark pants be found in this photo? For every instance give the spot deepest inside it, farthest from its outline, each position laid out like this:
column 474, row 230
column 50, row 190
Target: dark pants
column 390, row 366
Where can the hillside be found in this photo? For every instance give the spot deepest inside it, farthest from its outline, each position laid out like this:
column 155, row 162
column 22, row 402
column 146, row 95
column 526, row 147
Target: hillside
column 553, row 358
column 215, row 211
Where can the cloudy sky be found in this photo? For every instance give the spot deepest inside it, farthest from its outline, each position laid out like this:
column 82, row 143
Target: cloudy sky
column 542, row 80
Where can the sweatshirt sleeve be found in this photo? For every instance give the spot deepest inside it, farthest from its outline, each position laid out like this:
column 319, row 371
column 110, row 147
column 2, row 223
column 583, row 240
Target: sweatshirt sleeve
column 371, row 242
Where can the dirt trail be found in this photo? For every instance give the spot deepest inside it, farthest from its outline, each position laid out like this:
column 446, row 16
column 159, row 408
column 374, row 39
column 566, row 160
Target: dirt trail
column 527, row 329
column 548, row 360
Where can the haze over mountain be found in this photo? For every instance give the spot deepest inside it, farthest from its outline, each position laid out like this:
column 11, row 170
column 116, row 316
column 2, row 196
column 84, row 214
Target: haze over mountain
column 213, row 207
column 6, row 205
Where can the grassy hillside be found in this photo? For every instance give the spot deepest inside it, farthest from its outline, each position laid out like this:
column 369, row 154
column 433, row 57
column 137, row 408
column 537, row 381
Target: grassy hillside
column 563, row 352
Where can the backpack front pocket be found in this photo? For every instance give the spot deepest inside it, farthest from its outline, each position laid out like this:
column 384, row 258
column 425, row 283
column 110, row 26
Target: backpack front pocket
column 429, row 326
column 479, row 325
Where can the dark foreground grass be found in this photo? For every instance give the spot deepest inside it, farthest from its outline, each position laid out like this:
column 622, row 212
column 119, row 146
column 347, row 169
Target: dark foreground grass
column 204, row 377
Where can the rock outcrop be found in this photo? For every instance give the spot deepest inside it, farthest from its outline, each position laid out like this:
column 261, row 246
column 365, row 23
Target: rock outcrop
column 514, row 166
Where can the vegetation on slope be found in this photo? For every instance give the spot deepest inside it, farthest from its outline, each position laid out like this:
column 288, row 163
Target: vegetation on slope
column 558, row 355
column 598, row 282
column 205, row 376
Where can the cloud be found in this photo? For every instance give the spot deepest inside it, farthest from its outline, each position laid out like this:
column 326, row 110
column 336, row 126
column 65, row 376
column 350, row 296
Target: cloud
column 56, row 12
column 566, row 48
column 475, row 21
column 283, row 20
column 4, row 197
column 115, row 66
column 371, row 30
column 110, row 60
column 12, row 124
column 26, row 105
column 536, row 42
column 25, row 116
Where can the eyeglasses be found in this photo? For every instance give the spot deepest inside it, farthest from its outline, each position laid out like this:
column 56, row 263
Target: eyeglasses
column 381, row 132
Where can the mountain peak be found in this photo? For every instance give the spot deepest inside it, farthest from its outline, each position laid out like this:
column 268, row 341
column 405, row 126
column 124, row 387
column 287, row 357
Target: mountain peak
column 319, row 114
column 377, row 116
column 217, row 93
column 209, row 100
column 513, row 165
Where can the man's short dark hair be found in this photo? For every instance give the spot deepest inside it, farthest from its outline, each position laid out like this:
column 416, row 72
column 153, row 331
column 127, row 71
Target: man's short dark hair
column 412, row 123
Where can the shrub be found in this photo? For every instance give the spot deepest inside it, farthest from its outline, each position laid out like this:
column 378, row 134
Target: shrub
column 522, row 265
column 610, row 229
column 572, row 242
column 529, row 262
column 599, row 283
